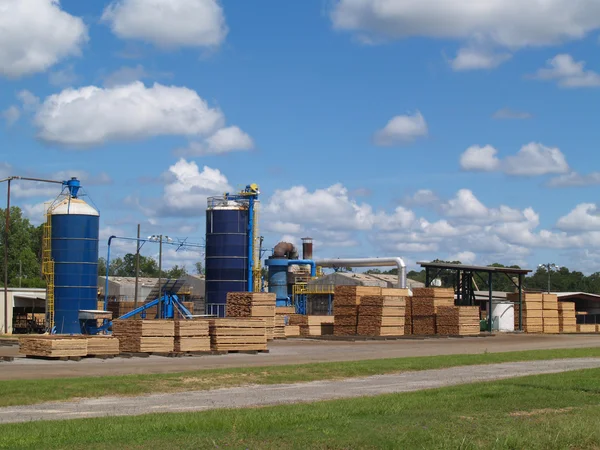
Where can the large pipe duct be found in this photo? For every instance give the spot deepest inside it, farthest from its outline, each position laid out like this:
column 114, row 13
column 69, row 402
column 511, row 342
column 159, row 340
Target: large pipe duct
column 369, row 262
column 307, row 248
column 285, row 250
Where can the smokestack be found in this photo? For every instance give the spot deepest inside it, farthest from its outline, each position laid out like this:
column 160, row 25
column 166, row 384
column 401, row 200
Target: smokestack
column 307, row 248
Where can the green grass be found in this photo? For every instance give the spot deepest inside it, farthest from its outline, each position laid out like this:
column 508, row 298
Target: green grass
column 23, row 392
column 543, row 412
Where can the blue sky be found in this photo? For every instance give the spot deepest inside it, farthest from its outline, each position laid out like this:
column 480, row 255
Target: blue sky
column 380, row 128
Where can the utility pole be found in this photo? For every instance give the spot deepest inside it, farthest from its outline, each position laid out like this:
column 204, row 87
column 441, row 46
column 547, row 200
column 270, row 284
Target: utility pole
column 549, row 267
column 137, row 267
column 20, row 272
column 160, row 272
column 6, row 234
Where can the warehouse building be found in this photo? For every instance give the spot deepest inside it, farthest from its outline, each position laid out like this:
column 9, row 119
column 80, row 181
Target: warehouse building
column 25, row 308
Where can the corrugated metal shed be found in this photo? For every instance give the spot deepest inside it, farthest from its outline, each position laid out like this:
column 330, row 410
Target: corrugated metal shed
column 362, row 279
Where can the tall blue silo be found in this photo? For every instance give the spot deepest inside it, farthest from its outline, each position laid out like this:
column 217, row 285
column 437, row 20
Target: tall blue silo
column 227, row 251
column 75, row 233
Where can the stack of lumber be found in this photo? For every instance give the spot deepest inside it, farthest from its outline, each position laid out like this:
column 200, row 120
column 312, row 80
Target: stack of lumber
column 425, row 303
column 279, row 329
column 192, row 336
column 458, row 320
column 550, row 313
column 102, row 345
column 292, row 330
column 408, row 316
column 317, row 326
column 260, row 305
column 586, row 328
column 382, row 315
column 145, row 336
column 285, row 310
column 238, row 334
column 533, row 311
column 345, row 307
column 53, row 346
column 567, row 321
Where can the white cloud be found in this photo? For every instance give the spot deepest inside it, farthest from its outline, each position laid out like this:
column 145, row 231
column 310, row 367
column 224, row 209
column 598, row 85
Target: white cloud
column 277, row 226
column 584, row 217
column 473, row 59
column 568, row 73
column 92, row 115
column 423, row 197
column 533, row 159
column 63, row 77
column 125, row 75
column 402, row 130
column 466, row 205
column 36, row 212
column 465, row 257
column 168, row 23
column 575, row 179
column 36, row 34
column 478, row 158
column 11, row 115
column 30, row 102
column 508, row 24
column 536, row 159
column 507, row 113
column 188, row 189
column 225, row 140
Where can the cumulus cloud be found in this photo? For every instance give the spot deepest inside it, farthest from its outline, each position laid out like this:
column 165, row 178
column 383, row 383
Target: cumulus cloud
column 92, row 115
column 423, row 197
column 168, row 23
column 188, row 188
column 508, row 113
column 225, row 140
column 584, row 217
column 478, row 158
column 36, row 34
column 125, row 75
column 11, row 115
column 506, row 24
column 402, row 130
column 533, row 159
column 573, row 179
column 568, row 73
column 473, row 59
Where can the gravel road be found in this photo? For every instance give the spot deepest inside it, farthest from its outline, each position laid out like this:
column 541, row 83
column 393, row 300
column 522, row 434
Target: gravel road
column 250, row 396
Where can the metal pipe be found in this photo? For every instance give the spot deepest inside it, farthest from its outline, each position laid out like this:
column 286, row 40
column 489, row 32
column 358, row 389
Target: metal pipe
column 6, row 234
column 251, row 243
column 107, row 272
column 160, row 273
column 137, row 268
column 369, row 262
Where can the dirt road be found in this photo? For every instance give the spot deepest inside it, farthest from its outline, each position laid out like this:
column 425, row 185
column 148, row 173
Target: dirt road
column 292, row 351
column 250, row 396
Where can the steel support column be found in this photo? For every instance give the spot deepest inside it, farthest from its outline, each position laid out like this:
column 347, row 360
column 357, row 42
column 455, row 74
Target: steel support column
column 490, row 278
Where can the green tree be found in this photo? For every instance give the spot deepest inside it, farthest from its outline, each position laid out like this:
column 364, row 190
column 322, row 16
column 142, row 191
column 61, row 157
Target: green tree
column 199, row 267
column 176, row 272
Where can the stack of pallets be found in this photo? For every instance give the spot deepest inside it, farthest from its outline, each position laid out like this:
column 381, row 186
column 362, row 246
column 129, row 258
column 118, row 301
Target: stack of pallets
column 425, row 302
column 53, row 346
column 279, row 328
column 102, row 345
column 533, row 312
column 145, row 336
column 567, row 321
column 408, row 315
column 260, row 305
column 382, row 315
column 238, row 334
column 345, row 307
column 458, row 320
column 192, row 336
column 550, row 313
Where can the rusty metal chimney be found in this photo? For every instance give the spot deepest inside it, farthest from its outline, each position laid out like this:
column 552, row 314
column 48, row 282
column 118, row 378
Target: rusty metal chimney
column 307, row 248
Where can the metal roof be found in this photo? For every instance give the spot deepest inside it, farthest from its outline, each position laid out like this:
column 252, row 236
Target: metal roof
column 508, row 270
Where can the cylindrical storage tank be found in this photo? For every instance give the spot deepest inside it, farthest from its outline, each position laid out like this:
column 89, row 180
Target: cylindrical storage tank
column 75, row 233
column 503, row 316
column 227, row 249
column 278, row 279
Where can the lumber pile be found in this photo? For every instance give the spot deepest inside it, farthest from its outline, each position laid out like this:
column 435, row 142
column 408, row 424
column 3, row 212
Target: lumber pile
column 145, row 336
column 567, row 321
column 317, row 326
column 285, row 310
column 102, row 345
column 279, row 329
column 260, row 305
column 408, row 316
column 586, row 328
column 550, row 314
column 238, row 334
column 345, row 307
column 533, row 311
column 381, row 315
column 191, row 336
column 53, row 346
column 292, row 330
column 457, row 320
column 424, row 305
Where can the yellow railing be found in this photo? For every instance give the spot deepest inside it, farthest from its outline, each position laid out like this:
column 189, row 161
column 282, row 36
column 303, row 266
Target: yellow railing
column 299, row 289
column 256, row 269
column 48, row 269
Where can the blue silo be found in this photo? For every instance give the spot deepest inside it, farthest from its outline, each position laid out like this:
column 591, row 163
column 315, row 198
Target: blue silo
column 278, row 279
column 227, row 251
column 75, row 232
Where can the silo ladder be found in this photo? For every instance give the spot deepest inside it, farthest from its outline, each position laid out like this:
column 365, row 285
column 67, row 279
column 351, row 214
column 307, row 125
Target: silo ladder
column 48, row 270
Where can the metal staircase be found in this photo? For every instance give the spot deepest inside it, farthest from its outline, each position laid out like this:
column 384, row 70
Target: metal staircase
column 48, row 270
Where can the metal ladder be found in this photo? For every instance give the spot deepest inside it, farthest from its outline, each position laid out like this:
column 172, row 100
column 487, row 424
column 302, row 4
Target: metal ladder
column 48, row 270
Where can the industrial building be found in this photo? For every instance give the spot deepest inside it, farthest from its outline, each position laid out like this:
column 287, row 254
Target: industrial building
column 24, row 305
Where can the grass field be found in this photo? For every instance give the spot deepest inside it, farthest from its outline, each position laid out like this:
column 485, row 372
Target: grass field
column 23, row 392
column 542, row 412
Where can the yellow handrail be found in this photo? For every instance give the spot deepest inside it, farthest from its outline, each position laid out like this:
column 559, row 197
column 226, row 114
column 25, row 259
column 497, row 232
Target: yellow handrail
column 48, row 269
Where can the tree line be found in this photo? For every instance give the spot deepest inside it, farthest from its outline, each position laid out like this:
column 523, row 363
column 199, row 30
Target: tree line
column 25, row 256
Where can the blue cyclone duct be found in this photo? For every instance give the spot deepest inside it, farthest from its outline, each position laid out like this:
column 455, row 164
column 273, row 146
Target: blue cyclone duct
column 227, row 252
column 75, row 233
column 278, row 270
